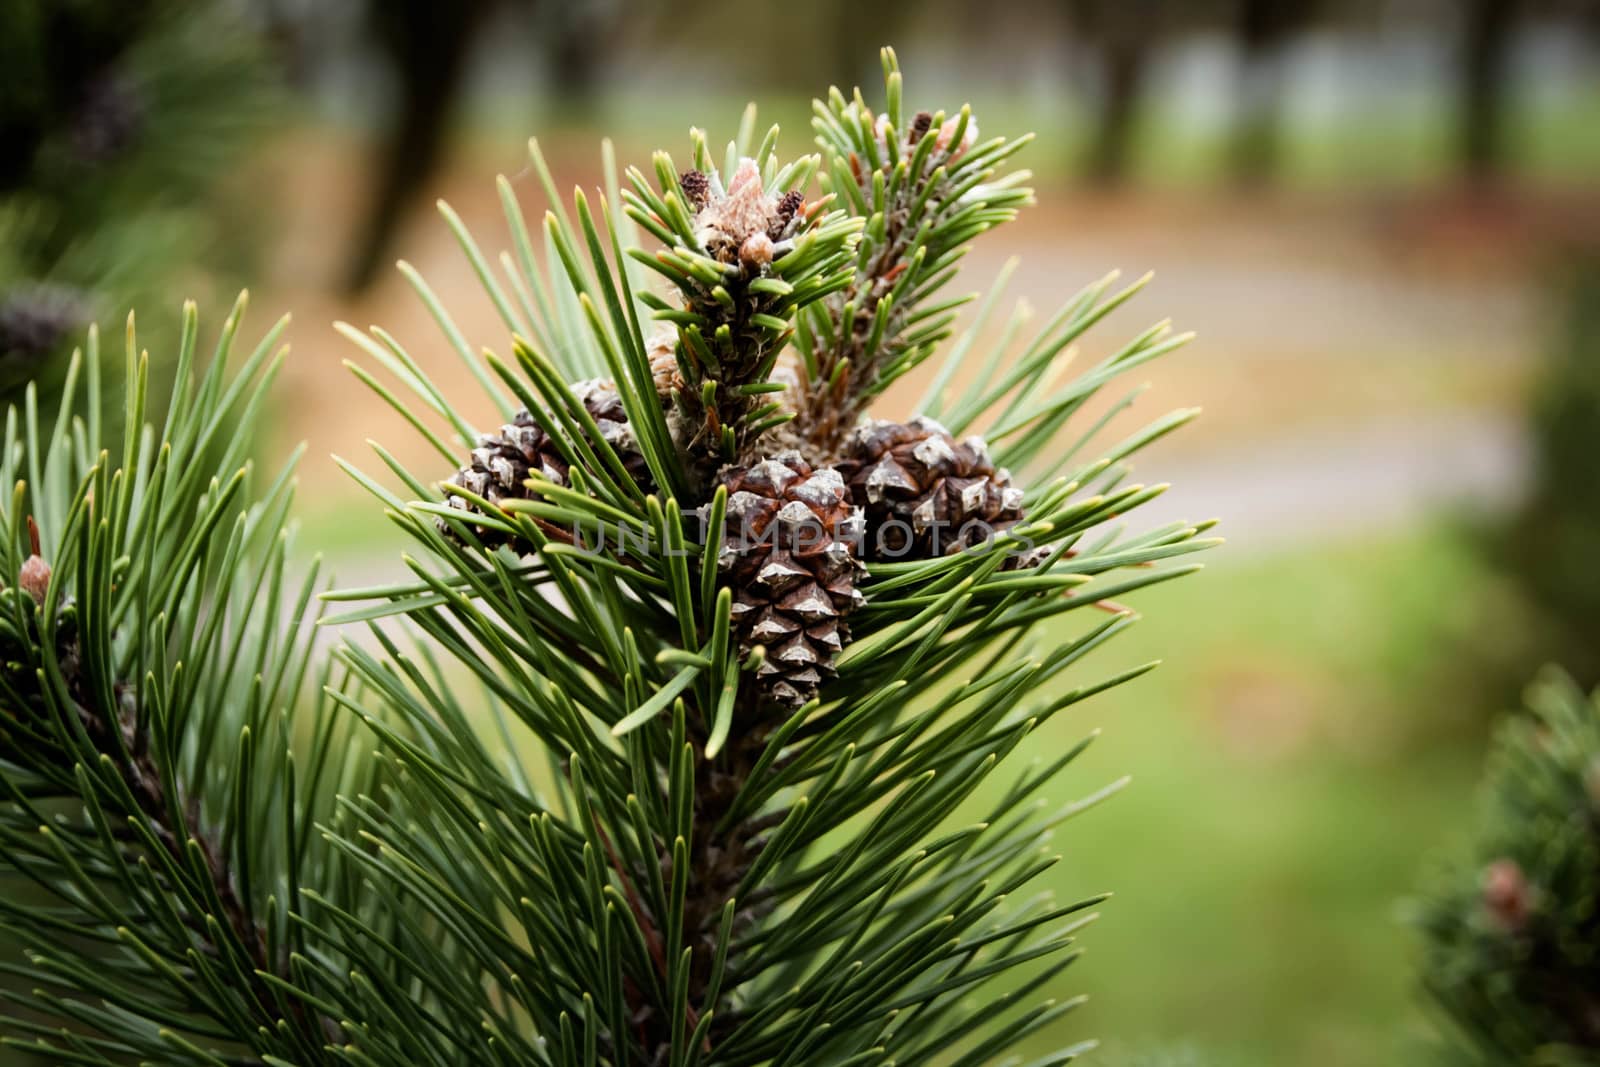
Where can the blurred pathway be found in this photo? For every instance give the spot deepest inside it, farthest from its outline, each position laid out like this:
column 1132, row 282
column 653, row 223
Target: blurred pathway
column 1362, row 479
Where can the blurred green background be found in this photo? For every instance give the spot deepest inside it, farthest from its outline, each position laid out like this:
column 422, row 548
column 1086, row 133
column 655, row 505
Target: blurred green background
column 1383, row 218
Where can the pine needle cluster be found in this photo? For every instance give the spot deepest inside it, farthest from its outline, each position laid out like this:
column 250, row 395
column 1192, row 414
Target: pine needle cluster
column 649, row 761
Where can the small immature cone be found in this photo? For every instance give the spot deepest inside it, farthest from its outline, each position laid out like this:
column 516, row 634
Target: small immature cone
column 34, row 576
column 660, row 350
column 696, row 188
column 920, row 124
column 1507, row 895
column 944, row 138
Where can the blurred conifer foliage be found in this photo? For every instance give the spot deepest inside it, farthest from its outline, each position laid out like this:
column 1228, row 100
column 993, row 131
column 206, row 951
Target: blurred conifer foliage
column 1544, row 605
column 117, row 119
column 1553, row 547
column 1511, row 926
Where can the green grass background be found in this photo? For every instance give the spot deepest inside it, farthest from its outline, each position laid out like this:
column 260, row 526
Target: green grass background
column 1259, row 864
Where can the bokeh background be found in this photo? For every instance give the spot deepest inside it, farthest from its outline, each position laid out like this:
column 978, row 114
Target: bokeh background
column 1381, row 216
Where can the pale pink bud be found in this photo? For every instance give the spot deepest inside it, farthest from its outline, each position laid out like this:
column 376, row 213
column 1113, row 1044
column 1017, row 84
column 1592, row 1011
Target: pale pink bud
column 947, row 133
column 756, row 251
column 746, row 179
column 1507, row 894
column 744, row 210
column 748, row 207
column 34, row 577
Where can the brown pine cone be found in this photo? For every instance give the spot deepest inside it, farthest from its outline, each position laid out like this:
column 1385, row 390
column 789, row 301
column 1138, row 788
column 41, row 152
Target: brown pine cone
column 503, row 461
column 925, row 494
column 789, row 556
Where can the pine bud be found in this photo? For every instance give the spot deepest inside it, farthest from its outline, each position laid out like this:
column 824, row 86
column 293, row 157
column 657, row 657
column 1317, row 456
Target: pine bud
column 34, row 577
column 728, row 220
column 756, row 252
column 947, row 133
column 1507, row 895
column 747, row 207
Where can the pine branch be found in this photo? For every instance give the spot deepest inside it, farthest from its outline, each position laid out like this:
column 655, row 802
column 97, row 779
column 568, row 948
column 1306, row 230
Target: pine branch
column 746, row 254
column 669, row 746
column 161, row 890
column 679, row 840
column 924, row 187
column 171, row 819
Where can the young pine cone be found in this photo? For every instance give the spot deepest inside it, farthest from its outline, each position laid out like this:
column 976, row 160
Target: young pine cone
column 503, row 461
column 925, row 493
column 789, row 556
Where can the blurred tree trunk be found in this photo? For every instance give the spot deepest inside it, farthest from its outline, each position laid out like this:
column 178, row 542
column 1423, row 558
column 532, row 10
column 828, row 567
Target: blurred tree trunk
column 1487, row 36
column 1264, row 29
column 427, row 44
column 1125, row 62
column 286, row 31
column 573, row 36
column 1124, row 33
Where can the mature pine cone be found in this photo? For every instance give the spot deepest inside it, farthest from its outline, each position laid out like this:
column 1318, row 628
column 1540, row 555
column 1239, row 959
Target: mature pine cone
column 789, row 555
column 925, row 493
column 503, row 461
